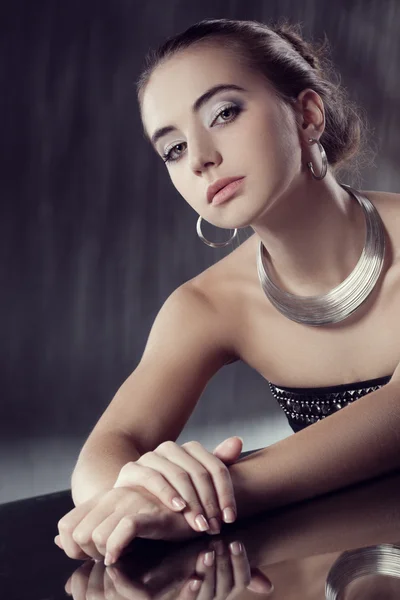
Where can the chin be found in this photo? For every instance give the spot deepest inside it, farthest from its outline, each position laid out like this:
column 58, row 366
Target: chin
column 239, row 221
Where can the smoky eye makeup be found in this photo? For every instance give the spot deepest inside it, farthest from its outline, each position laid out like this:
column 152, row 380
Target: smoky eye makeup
column 235, row 104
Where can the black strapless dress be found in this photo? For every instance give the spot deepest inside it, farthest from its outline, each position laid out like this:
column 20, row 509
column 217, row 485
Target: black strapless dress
column 304, row 406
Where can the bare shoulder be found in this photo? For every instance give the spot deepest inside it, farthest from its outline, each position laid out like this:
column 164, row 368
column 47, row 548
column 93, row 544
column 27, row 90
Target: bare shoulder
column 388, row 202
column 228, row 287
column 202, row 316
column 388, row 206
column 221, row 279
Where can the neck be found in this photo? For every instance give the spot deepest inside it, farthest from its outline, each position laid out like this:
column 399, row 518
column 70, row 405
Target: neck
column 314, row 234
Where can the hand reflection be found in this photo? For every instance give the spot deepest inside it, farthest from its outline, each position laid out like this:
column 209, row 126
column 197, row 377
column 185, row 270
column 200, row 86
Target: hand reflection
column 227, row 576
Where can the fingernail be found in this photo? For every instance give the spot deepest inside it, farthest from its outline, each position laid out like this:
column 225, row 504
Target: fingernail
column 214, row 525
column 201, row 523
column 236, row 548
column 108, row 560
column 178, row 503
column 195, row 585
column 209, row 558
column 229, row 515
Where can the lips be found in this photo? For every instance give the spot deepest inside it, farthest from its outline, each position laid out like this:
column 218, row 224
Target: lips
column 218, row 185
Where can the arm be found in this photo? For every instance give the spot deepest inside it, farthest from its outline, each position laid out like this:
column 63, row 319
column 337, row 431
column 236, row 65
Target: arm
column 99, row 463
column 186, row 347
column 358, row 442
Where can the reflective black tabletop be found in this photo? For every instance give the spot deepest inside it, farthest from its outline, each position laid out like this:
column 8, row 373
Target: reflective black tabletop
column 343, row 545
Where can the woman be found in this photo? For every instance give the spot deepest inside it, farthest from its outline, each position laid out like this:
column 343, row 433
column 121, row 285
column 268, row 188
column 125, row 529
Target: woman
column 239, row 100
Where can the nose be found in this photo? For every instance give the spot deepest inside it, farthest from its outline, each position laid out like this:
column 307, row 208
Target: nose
column 204, row 159
column 202, row 152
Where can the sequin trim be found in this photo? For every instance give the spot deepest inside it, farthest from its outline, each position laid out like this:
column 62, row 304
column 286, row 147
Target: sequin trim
column 309, row 405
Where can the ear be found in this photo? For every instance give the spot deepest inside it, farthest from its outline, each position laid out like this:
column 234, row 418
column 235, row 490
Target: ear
column 310, row 114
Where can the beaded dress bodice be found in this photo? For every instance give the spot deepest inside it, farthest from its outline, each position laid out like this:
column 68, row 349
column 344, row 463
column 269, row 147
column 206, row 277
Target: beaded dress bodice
column 304, row 406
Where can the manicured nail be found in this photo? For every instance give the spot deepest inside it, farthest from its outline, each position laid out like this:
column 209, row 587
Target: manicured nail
column 236, row 548
column 108, row 559
column 201, row 523
column 178, row 503
column 209, row 558
column 229, row 515
column 195, row 585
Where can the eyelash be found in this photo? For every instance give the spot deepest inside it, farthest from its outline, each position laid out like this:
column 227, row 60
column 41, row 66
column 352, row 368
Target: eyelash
column 236, row 109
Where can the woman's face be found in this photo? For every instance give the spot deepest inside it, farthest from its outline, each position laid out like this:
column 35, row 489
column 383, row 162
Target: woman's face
column 234, row 134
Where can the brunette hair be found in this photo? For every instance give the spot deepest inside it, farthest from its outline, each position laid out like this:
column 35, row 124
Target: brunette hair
column 290, row 64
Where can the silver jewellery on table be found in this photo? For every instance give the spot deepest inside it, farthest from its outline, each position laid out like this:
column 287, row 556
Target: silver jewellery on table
column 383, row 559
column 342, row 300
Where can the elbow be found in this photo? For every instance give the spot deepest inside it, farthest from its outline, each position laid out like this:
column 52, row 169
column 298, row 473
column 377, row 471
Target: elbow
column 78, row 495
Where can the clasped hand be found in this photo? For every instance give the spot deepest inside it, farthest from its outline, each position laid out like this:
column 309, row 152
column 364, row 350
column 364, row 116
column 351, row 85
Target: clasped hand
column 141, row 502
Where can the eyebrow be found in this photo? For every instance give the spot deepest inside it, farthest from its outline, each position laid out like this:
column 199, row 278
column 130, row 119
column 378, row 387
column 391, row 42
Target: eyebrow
column 159, row 133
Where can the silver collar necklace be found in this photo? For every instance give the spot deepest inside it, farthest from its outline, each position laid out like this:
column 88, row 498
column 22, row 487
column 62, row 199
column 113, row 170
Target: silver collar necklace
column 344, row 299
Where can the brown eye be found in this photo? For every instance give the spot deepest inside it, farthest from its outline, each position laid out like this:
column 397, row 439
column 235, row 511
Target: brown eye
column 230, row 109
column 225, row 110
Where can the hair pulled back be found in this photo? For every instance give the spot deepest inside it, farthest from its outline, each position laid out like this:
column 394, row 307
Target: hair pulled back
column 290, row 64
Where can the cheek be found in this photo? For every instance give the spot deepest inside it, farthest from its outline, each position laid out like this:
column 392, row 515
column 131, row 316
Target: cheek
column 278, row 147
column 272, row 151
column 291, row 151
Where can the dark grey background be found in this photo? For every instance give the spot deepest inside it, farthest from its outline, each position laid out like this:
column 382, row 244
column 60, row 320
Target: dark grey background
column 93, row 235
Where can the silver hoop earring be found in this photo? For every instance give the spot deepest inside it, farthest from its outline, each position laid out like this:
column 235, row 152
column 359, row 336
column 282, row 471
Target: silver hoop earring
column 324, row 160
column 213, row 244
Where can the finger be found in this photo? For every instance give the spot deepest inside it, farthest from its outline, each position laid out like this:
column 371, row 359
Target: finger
column 125, row 587
column 140, row 474
column 67, row 587
column 240, row 565
column 220, row 477
column 80, row 579
column 224, row 579
column 172, row 575
column 260, row 583
column 122, row 535
column 145, row 525
column 205, row 573
column 198, row 483
column 83, row 533
column 66, row 527
column 191, row 589
column 154, row 472
column 95, row 587
column 108, row 583
column 102, row 532
column 229, row 450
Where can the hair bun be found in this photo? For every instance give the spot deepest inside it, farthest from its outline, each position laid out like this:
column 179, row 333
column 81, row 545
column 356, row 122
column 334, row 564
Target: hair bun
column 292, row 34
